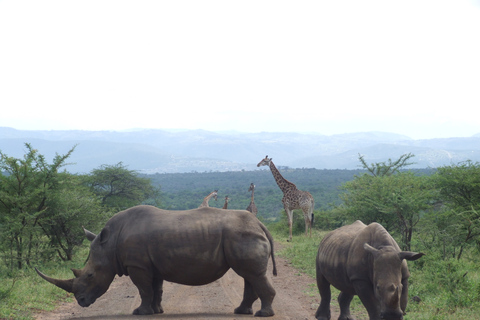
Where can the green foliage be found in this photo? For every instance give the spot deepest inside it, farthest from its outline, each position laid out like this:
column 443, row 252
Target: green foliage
column 70, row 208
column 24, row 292
column 120, row 188
column 26, row 185
column 448, row 289
column 396, row 201
column 459, row 185
column 42, row 210
column 381, row 169
column 459, row 194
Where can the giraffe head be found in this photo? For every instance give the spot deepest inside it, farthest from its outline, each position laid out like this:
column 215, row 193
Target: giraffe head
column 252, row 187
column 215, row 192
column 265, row 162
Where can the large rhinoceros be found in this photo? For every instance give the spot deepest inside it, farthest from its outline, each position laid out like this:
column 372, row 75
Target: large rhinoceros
column 366, row 261
column 193, row 247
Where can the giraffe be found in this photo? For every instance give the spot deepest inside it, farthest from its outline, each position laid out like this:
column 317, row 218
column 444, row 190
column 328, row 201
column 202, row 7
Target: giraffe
column 207, row 198
column 225, row 206
column 292, row 197
column 252, row 207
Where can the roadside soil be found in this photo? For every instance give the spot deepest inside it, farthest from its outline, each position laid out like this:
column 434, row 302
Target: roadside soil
column 296, row 299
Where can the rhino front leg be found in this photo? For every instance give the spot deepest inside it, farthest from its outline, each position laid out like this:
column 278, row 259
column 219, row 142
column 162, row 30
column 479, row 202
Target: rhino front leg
column 404, row 296
column 344, row 300
column 143, row 280
column 364, row 290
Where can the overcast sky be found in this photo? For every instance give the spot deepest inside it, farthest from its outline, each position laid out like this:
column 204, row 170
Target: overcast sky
column 408, row 67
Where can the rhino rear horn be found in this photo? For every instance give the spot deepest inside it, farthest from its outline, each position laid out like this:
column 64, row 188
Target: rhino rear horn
column 66, row 285
column 90, row 235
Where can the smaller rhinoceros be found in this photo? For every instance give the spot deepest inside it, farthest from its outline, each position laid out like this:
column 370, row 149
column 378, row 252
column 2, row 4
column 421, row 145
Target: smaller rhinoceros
column 366, row 261
column 192, row 247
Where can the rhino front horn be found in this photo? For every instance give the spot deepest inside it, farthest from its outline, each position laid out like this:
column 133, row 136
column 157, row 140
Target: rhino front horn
column 66, row 285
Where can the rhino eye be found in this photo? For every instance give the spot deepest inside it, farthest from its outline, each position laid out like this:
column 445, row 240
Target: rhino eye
column 90, row 275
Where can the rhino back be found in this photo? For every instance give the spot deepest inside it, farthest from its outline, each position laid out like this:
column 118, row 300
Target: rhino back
column 342, row 258
column 333, row 255
column 190, row 247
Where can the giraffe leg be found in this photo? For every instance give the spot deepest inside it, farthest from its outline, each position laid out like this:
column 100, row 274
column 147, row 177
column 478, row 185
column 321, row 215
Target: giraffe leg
column 308, row 223
column 290, row 222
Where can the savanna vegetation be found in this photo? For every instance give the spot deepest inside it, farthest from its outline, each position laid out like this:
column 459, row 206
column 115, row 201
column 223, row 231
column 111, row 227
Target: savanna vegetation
column 43, row 209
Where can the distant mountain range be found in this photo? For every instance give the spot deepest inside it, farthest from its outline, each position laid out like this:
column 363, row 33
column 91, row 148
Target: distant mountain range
column 167, row 151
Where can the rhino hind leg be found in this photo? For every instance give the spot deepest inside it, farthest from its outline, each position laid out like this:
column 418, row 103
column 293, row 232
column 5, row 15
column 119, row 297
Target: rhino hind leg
column 249, row 297
column 259, row 287
column 323, row 311
column 157, row 295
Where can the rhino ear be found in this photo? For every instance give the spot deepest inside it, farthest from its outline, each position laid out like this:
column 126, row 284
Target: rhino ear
column 410, row 256
column 104, row 234
column 90, row 235
column 370, row 249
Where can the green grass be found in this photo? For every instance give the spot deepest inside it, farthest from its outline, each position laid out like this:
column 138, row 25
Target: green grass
column 448, row 289
column 23, row 293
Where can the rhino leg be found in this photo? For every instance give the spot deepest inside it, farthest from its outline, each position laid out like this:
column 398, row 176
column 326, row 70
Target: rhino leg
column 344, row 300
column 364, row 290
column 257, row 287
column 265, row 291
column 143, row 280
column 249, row 297
column 404, row 297
column 157, row 295
column 323, row 311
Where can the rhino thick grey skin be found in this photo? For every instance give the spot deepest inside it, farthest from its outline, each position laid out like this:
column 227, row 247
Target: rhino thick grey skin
column 193, row 247
column 365, row 261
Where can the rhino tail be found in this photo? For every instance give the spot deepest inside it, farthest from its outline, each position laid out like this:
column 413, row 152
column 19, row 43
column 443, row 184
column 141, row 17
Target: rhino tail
column 270, row 239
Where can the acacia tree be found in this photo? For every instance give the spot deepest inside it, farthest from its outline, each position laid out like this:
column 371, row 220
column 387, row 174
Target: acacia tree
column 389, row 196
column 25, row 187
column 459, row 192
column 70, row 208
column 120, row 188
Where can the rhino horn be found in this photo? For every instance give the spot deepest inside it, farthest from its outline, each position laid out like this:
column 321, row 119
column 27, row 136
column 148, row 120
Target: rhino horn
column 396, row 297
column 90, row 235
column 66, row 285
column 76, row 272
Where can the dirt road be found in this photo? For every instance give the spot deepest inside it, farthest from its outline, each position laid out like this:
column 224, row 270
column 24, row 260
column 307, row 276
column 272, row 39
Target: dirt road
column 214, row 301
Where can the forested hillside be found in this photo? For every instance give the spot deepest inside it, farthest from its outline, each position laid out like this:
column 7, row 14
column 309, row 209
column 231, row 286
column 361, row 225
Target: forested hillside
column 187, row 190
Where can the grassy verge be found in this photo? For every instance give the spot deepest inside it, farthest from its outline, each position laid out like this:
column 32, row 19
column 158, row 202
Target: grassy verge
column 23, row 293
column 448, row 289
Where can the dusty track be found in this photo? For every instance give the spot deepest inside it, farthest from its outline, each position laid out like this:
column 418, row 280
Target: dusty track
column 214, row 301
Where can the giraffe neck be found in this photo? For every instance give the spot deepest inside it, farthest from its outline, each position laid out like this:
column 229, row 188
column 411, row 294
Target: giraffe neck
column 253, row 190
column 206, row 199
column 282, row 183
